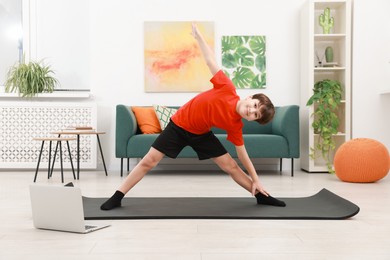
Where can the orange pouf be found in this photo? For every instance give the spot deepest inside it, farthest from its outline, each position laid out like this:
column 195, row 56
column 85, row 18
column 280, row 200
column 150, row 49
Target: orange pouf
column 361, row 160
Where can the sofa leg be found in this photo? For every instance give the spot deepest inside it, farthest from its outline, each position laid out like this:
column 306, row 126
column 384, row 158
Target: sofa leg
column 280, row 165
column 292, row 167
column 121, row 167
column 128, row 165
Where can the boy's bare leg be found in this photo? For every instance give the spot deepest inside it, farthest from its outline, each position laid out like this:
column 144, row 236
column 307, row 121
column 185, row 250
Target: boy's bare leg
column 230, row 166
column 148, row 162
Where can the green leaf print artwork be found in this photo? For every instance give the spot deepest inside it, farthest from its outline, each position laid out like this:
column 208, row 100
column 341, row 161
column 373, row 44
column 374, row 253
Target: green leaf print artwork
column 244, row 61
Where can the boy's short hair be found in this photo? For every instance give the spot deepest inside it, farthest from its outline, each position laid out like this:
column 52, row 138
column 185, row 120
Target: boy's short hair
column 267, row 109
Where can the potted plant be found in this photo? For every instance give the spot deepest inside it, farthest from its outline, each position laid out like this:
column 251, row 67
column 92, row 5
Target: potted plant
column 326, row 99
column 29, row 79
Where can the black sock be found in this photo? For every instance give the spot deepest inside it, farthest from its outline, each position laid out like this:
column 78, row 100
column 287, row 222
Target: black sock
column 262, row 199
column 113, row 202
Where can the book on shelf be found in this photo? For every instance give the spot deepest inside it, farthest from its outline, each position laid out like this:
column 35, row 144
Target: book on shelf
column 90, row 128
column 330, row 64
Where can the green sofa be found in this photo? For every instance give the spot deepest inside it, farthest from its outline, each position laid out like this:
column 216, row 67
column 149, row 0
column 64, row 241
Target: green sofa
column 277, row 139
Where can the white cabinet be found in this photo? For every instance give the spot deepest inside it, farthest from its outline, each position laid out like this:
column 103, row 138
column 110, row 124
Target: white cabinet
column 22, row 121
column 313, row 44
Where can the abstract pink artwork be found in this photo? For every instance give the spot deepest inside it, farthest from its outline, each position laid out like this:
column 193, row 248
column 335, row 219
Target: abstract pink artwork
column 173, row 60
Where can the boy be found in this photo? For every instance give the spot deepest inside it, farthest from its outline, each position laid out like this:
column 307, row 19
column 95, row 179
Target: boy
column 190, row 125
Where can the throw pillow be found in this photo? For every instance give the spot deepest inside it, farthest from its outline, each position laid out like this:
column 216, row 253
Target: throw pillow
column 147, row 120
column 164, row 114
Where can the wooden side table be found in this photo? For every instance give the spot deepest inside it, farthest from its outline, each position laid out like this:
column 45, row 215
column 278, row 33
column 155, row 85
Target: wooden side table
column 78, row 133
column 50, row 167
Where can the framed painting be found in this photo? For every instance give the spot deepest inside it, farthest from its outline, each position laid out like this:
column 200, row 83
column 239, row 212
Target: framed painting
column 244, row 61
column 172, row 58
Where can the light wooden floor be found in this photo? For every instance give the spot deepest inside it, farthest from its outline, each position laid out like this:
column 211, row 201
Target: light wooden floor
column 366, row 236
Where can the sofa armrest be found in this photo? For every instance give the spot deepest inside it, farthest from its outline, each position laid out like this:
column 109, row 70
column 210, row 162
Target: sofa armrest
column 125, row 127
column 286, row 123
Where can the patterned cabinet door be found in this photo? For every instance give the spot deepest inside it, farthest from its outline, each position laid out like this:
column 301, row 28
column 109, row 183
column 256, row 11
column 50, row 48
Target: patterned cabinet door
column 22, row 121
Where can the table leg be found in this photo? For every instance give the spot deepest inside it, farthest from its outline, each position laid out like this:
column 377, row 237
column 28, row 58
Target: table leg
column 54, row 160
column 62, row 169
column 39, row 160
column 70, row 158
column 48, row 167
column 78, row 157
column 101, row 153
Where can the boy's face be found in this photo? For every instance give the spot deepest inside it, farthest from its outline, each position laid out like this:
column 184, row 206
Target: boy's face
column 249, row 109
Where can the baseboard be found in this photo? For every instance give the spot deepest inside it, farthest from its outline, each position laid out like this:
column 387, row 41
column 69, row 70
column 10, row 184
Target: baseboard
column 167, row 164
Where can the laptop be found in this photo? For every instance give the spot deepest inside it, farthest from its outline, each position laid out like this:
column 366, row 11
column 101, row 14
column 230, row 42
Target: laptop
column 59, row 208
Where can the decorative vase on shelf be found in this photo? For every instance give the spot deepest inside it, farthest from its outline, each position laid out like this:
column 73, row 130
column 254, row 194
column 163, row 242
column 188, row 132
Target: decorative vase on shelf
column 329, row 54
column 326, row 21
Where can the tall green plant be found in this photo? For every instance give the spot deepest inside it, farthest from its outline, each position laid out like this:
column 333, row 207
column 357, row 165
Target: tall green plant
column 326, row 97
column 30, row 79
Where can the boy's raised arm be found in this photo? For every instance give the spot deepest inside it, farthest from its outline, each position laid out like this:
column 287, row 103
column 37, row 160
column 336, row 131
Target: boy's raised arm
column 208, row 54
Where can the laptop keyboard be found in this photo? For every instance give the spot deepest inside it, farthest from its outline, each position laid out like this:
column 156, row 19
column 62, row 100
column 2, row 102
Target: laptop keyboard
column 87, row 227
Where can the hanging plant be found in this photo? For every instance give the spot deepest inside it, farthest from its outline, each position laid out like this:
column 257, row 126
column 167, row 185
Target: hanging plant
column 326, row 99
column 30, row 79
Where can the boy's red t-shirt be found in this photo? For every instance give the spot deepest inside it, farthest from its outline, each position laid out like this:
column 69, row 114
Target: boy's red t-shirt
column 213, row 108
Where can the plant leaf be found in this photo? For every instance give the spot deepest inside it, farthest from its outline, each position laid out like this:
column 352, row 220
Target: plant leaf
column 257, row 45
column 244, row 56
column 229, row 61
column 243, row 77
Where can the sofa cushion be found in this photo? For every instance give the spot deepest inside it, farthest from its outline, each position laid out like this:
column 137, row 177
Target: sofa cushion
column 147, row 120
column 257, row 145
column 164, row 114
column 139, row 145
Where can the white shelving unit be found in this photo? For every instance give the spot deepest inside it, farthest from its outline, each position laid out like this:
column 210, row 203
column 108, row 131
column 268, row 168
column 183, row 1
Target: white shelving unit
column 313, row 42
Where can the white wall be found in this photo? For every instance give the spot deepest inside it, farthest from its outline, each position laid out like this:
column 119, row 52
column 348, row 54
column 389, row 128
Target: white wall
column 117, row 43
column 371, row 70
column 117, row 48
column 60, row 36
column 115, row 54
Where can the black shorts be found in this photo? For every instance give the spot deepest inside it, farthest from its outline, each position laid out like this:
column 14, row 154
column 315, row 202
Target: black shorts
column 174, row 138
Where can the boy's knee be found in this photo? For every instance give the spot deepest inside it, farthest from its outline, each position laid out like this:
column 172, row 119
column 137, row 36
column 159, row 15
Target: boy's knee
column 149, row 162
column 230, row 165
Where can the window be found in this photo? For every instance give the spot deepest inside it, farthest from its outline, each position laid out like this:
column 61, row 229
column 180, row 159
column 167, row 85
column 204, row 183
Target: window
column 11, row 35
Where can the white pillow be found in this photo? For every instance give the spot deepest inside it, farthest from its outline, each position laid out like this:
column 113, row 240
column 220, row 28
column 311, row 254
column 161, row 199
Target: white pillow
column 164, row 114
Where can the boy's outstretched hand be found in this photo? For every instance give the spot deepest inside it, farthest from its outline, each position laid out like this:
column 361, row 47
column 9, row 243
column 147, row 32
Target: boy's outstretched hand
column 263, row 197
column 256, row 186
column 194, row 32
column 208, row 54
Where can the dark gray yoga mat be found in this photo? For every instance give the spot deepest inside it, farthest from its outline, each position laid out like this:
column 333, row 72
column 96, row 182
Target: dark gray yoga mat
column 323, row 205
